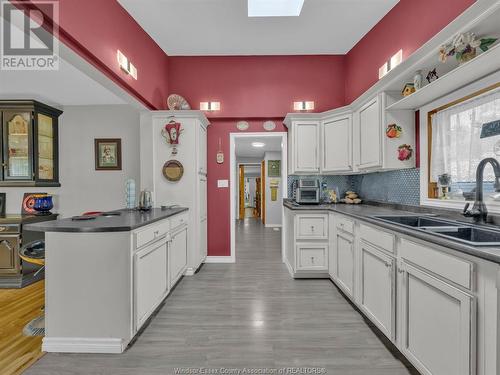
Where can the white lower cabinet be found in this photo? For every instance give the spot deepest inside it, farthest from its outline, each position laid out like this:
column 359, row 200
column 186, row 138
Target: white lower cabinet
column 151, row 283
column 344, row 272
column 437, row 324
column 177, row 255
column 312, row 257
column 377, row 288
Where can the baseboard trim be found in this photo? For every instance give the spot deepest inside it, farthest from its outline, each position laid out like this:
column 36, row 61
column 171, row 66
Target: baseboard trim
column 219, row 259
column 289, row 267
column 273, row 225
column 189, row 271
column 82, row 345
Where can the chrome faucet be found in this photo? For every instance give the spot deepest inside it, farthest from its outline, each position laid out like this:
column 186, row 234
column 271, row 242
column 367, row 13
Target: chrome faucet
column 479, row 212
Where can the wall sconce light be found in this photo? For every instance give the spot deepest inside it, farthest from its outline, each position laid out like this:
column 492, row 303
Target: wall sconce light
column 303, row 106
column 126, row 65
column 390, row 64
column 210, row 106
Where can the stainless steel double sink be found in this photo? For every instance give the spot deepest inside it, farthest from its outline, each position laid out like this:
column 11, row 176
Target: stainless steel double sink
column 473, row 235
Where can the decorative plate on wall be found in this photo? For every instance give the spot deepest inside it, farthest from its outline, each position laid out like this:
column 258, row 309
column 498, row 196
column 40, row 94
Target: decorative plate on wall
column 242, row 125
column 269, row 125
column 177, row 102
column 173, row 170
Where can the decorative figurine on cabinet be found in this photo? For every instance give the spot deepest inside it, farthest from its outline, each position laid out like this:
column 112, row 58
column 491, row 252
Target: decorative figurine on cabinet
column 432, row 75
column 408, row 89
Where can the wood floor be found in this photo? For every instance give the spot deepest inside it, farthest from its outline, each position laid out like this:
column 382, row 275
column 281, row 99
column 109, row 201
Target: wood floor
column 17, row 308
column 249, row 314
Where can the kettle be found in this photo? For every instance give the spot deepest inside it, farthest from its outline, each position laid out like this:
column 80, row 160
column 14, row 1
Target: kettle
column 145, row 200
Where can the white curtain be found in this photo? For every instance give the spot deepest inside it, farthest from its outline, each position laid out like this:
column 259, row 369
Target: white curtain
column 457, row 147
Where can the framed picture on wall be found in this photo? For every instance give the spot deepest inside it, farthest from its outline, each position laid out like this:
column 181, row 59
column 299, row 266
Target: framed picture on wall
column 274, row 168
column 108, row 154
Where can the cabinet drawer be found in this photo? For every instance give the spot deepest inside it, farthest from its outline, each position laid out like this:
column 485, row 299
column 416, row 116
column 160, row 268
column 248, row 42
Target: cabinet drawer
column 345, row 224
column 444, row 265
column 312, row 257
column 312, row 226
column 377, row 237
column 178, row 220
column 151, row 233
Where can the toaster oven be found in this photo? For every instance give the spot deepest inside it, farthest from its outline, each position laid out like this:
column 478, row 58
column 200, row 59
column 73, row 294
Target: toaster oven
column 308, row 191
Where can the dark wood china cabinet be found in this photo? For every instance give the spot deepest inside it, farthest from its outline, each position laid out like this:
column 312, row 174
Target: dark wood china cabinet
column 29, row 144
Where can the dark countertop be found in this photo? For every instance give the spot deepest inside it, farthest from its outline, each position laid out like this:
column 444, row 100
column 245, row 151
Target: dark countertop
column 366, row 213
column 25, row 219
column 127, row 221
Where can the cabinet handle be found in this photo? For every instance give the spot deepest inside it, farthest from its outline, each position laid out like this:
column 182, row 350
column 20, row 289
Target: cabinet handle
column 312, row 260
column 400, row 270
column 388, row 265
column 312, row 228
column 156, row 233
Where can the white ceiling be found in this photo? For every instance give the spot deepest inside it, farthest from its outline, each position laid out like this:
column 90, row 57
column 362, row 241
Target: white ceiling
column 244, row 148
column 222, row 27
column 66, row 86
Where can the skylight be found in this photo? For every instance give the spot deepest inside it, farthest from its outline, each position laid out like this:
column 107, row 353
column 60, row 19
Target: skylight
column 274, row 8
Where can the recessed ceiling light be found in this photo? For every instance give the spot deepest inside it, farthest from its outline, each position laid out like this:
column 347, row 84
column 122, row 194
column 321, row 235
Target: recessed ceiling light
column 274, row 8
column 258, row 144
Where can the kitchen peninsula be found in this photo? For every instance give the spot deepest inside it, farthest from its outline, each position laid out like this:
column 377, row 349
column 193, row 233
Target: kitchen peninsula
column 106, row 276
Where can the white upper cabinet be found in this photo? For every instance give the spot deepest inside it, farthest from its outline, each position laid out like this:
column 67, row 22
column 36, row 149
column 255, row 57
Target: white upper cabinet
column 351, row 140
column 336, row 144
column 304, row 150
column 369, row 143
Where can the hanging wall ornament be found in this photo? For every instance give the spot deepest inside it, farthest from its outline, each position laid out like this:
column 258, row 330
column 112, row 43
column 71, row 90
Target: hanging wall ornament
column 405, row 152
column 171, row 132
column 393, row 131
column 220, row 153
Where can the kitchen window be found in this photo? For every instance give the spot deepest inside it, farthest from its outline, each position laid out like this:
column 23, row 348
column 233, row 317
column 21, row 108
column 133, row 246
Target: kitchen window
column 456, row 147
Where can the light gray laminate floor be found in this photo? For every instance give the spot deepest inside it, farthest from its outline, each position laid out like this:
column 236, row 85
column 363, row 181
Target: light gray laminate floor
column 249, row 314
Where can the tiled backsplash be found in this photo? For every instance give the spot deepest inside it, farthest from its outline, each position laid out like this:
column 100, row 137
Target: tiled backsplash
column 401, row 186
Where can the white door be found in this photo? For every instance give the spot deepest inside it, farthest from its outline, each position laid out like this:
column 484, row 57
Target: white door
column 438, row 324
column 305, row 146
column 336, row 144
column 377, row 286
column 178, row 255
column 370, row 135
column 345, row 263
column 151, row 283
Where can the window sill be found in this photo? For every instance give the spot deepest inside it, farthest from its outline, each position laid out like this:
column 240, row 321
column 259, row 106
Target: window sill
column 491, row 205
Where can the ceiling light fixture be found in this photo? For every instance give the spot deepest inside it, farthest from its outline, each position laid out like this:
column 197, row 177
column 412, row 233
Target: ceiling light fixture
column 258, row 144
column 210, row 106
column 303, row 106
column 274, row 8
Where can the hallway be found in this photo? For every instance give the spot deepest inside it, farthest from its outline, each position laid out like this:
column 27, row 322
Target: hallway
column 249, row 314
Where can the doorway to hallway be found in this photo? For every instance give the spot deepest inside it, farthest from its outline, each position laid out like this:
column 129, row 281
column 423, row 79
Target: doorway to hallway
column 258, row 184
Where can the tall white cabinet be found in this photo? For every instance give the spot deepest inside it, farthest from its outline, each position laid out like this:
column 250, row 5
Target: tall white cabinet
column 191, row 190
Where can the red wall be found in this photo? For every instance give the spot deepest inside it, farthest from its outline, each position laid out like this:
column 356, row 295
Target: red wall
column 249, row 87
column 258, row 86
column 96, row 29
column 407, row 26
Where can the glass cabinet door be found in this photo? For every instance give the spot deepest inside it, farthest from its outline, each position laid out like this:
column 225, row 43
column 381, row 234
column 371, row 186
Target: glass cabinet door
column 17, row 164
column 46, row 153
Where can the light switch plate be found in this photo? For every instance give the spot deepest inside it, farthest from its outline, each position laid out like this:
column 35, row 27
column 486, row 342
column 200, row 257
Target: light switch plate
column 222, row 183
